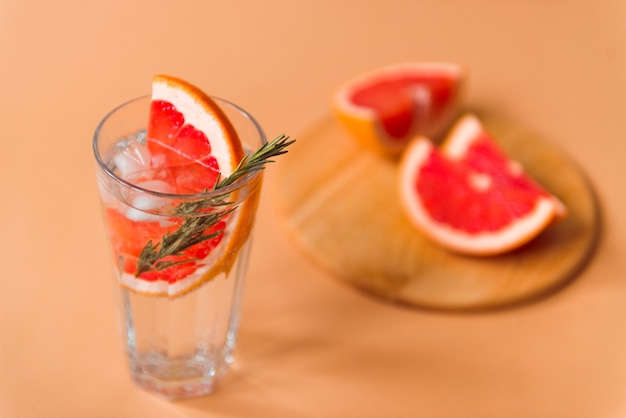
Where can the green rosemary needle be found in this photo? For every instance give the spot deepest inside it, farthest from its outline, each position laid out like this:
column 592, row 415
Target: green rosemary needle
column 192, row 230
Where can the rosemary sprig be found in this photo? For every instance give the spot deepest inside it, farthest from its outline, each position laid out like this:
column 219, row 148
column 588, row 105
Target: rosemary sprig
column 257, row 161
column 191, row 231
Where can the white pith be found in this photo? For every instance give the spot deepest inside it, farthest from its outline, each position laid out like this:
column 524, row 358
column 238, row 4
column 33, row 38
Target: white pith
column 480, row 182
column 461, row 136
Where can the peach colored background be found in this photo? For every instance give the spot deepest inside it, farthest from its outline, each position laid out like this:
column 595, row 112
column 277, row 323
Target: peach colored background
column 309, row 346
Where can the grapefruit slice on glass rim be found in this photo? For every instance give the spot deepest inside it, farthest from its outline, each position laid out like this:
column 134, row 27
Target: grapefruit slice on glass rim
column 189, row 133
column 189, row 141
column 469, row 197
column 384, row 108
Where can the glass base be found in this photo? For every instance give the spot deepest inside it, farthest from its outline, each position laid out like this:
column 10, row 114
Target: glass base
column 179, row 377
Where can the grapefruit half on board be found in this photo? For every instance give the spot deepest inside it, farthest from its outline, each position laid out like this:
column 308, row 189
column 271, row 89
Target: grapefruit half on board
column 384, row 108
column 189, row 143
column 469, row 197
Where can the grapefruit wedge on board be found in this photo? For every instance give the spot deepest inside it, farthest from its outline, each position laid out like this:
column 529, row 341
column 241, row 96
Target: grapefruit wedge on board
column 189, row 141
column 384, row 108
column 469, row 197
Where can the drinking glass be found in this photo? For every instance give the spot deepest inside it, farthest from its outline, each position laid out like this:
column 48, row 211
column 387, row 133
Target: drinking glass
column 180, row 328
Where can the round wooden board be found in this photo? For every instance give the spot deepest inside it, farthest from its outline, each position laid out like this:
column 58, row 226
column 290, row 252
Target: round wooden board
column 339, row 202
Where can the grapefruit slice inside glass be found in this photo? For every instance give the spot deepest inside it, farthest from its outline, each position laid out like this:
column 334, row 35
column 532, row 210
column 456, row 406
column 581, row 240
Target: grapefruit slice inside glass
column 469, row 197
column 189, row 142
column 383, row 109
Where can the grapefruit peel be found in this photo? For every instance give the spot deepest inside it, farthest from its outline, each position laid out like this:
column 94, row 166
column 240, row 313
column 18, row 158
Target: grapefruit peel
column 454, row 151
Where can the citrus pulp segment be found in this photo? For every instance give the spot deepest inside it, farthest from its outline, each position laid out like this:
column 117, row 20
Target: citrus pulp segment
column 468, row 196
column 189, row 143
column 384, row 108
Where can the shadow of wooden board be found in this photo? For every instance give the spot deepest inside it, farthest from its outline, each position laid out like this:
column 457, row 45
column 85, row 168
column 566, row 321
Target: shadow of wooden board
column 339, row 203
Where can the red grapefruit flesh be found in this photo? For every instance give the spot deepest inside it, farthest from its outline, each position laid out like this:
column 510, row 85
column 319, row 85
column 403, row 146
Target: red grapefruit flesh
column 383, row 109
column 469, row 197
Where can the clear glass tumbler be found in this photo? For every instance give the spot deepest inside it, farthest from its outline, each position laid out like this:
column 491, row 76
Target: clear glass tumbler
column 179, row 324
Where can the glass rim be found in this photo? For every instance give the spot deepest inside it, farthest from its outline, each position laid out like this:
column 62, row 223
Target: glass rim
column 237, row 184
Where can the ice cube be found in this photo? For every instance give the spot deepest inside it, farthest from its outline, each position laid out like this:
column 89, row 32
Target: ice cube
column 142, row 204
column 133, row 159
